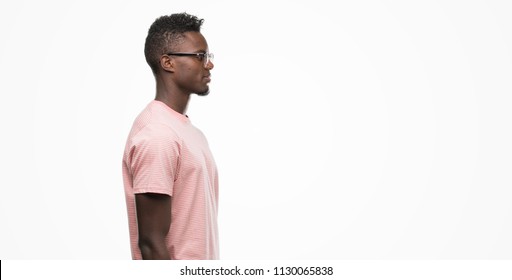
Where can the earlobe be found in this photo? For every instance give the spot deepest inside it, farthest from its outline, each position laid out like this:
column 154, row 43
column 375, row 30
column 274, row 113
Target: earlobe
column 167, row 63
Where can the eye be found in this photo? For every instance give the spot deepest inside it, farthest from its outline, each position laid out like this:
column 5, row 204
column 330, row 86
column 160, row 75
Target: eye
column 201, row 56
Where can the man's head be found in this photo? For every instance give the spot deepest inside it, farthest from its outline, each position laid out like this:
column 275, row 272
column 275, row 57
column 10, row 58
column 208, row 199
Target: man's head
column 175, row 45
column 166, row 33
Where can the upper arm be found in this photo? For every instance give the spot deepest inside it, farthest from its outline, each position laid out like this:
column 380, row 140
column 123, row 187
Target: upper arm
column 154, row 160
column 153, row 221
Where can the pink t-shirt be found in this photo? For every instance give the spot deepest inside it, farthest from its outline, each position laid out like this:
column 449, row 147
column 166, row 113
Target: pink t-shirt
column 166, row 154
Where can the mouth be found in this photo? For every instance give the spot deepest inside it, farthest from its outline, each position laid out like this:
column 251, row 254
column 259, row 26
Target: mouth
column 207, row 78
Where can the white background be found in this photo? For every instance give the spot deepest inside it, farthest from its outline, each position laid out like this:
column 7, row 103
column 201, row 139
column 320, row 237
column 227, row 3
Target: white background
column 341, row 129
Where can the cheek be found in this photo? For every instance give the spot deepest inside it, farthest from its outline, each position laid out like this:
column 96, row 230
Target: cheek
column 189, row 76
column 184, row 72
column 189, row 70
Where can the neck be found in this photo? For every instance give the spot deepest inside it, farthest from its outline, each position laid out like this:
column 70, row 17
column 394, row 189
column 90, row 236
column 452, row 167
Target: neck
column 172, row 97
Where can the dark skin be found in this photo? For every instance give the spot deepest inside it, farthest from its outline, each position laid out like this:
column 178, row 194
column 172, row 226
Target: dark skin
column 178, row 78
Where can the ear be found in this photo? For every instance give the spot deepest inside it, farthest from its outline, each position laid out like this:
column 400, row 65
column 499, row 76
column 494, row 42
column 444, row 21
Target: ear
column 167, row 63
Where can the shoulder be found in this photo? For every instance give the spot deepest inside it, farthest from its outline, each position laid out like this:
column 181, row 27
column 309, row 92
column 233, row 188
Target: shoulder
column 156, row 133
column 152, row 122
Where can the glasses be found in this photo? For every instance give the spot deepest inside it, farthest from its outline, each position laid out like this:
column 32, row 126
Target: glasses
column 205, row 57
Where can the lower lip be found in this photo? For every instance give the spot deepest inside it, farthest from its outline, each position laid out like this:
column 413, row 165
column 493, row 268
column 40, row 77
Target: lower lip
column 208, row 79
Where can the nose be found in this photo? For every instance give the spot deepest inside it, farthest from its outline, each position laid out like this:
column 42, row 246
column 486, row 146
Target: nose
column 209, row 65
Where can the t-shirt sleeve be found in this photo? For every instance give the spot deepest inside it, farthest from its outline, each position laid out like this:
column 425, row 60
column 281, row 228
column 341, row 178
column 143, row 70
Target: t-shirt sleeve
column 154, row 160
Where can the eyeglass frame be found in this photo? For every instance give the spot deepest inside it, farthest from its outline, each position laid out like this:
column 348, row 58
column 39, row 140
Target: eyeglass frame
column 201, row 56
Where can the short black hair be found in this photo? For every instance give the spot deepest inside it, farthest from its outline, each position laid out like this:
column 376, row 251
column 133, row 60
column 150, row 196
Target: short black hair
column 165, row 33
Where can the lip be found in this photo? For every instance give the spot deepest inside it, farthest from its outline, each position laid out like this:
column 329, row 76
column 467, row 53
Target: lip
column 207, row 78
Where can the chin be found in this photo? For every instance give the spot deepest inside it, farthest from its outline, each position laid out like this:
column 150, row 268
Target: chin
column 204, row 92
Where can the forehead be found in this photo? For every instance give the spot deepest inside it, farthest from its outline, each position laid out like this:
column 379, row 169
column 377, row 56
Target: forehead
column 192, row 42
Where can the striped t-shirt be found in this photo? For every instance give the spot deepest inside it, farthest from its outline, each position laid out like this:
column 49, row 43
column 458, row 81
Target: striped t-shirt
column 166, row 154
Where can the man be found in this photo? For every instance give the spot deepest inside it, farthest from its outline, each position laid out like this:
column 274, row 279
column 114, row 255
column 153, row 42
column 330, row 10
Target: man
column 170, row 177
